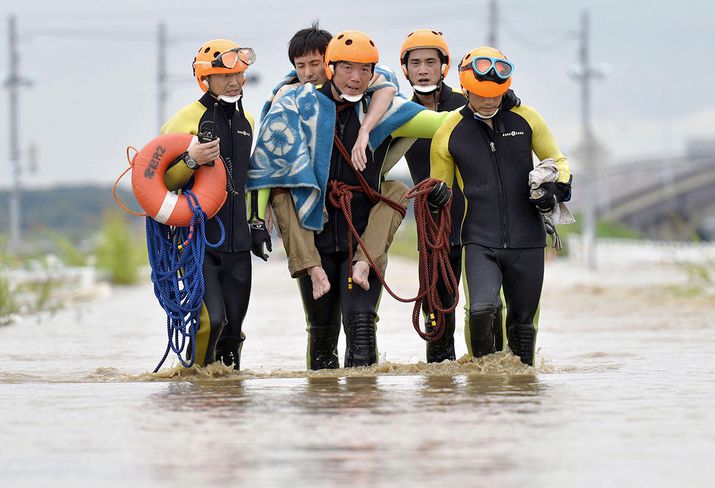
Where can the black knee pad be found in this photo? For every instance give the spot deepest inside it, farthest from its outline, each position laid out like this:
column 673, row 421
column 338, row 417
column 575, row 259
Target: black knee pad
column 360, row 337
column 522, row 341
column 481, row 328
column 322, row 348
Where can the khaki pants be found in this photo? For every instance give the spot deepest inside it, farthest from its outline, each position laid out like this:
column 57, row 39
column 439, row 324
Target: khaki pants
column 299, row 242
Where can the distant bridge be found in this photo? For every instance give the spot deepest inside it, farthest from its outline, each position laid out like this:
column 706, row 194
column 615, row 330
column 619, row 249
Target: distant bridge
column 662, row 198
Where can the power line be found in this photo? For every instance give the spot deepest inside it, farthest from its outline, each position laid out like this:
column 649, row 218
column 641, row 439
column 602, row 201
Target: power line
column 115, row 35
column 89, row 34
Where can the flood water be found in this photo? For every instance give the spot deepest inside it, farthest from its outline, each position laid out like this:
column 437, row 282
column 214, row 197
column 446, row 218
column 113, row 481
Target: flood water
column 622, row 394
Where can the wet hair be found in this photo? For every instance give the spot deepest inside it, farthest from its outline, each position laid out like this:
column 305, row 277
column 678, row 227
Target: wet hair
column 306, row 41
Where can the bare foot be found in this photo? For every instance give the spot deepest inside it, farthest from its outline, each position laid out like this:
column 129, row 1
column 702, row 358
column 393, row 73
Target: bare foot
column 320, row 282
column 361, row 271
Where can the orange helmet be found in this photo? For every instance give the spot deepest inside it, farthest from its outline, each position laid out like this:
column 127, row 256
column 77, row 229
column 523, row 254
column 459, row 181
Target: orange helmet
column 421, row 39
column 486, row 72
column 350, row 45
column 220, row 56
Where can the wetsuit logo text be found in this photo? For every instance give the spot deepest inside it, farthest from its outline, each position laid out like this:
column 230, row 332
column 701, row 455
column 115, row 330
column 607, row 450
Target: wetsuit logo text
column 513, row 133
column 154, row 162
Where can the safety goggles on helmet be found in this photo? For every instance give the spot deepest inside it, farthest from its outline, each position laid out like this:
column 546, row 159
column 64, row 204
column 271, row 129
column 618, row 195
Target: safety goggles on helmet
column 229, row 59
column 488, row 68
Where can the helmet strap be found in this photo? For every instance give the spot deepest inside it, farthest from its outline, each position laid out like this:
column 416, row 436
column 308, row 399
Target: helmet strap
column 427, row 90
column 227, row 99
column 347, row 98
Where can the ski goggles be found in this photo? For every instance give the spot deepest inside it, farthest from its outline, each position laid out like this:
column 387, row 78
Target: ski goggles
column 483, row 65
column 229, row 59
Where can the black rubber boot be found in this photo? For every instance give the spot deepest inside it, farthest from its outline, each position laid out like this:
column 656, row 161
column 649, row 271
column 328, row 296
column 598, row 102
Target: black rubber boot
column 522, row 341
column 443, row 349
column 481, row 330
column 361, row 348
column 323, row 348
column 228, row 351
column 216, row 330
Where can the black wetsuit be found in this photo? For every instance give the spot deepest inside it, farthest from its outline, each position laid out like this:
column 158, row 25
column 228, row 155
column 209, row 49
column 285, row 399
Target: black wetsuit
column 227, row 268
column 502, row 232
column 419, row 163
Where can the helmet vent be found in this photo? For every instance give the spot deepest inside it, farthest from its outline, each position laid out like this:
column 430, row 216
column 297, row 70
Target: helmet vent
column 348, row 42
column 208, row 48
column 372, row 43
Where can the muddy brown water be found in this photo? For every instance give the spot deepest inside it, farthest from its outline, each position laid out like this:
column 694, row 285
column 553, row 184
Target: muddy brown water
column 622, row 394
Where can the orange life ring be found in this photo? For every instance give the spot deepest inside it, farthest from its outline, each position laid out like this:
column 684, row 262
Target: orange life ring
column 148, row 168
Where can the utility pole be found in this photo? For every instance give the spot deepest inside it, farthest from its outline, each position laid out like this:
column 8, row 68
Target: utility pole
column 589, row 149
column 13, row 83
column 161, row 76
column 493, row 24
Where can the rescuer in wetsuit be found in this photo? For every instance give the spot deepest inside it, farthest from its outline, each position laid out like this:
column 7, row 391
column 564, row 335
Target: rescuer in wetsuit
column 219, row 68
column 487, row 146
column 424, row 57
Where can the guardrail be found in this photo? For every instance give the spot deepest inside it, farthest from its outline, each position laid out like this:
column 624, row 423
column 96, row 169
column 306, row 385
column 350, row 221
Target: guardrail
column 627, row 251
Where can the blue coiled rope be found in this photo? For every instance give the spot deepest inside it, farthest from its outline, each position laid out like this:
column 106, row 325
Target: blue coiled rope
column 176, row 256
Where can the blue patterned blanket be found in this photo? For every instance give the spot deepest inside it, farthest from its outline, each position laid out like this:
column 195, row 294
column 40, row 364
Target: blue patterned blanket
column 295, row 142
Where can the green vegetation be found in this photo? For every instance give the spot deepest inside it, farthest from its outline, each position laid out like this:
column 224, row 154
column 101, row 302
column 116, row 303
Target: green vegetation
column 66, row 227
column 121, row 250
column 8, row 301
column 701, row 277
column 67, row 251
column 27, row 297
column 604, row 228
column 75, row 212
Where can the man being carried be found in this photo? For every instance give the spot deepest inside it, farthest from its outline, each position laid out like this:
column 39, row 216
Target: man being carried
column 305, row 142
column 306, row 51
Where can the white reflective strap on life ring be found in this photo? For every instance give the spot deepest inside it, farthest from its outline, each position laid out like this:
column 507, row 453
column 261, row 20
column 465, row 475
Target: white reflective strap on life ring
column 167, row 207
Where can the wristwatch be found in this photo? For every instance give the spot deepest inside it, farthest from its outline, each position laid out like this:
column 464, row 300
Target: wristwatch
column 189, row 161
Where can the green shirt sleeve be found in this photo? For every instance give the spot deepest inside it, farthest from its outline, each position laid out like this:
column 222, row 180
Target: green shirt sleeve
column 423, row 125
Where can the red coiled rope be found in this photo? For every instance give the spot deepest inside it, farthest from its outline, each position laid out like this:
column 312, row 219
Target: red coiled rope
column 432, row 242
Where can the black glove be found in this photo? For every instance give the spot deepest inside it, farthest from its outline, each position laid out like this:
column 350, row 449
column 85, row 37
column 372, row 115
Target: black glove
column 260, row 239
column 438, row 196
column 547, row 201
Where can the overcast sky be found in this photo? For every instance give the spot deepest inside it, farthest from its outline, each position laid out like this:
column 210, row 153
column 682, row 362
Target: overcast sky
column 93, row 65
